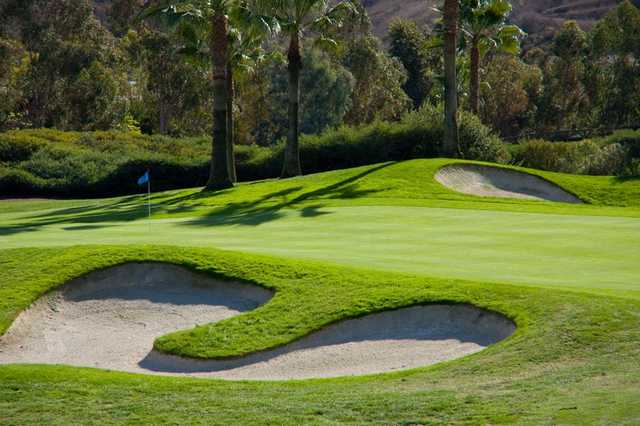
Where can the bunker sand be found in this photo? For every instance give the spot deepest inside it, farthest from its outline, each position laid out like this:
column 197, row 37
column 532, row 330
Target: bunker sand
column 109, row 319
column 487, row 181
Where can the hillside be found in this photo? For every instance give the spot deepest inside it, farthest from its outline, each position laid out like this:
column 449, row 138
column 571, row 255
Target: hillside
column 533, row 15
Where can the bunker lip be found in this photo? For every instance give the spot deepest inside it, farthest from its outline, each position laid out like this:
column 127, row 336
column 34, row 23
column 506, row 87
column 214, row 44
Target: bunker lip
column 110, row 318
column 489, row 181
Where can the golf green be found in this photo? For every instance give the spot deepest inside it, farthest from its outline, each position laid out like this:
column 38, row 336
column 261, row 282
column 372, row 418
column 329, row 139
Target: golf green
column 579, row 252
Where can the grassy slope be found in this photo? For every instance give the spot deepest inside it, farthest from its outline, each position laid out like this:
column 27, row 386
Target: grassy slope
column 573, row 359
column 363, row 217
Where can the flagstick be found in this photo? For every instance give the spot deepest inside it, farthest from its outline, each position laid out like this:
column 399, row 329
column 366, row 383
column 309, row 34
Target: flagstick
column 149, row 196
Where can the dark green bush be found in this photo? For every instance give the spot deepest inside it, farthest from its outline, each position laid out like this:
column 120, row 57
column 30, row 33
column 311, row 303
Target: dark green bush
column 584, row 157
column 630, row 139
column 53, row 163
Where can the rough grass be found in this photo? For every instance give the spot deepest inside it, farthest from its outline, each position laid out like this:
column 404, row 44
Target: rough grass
column 572, row 360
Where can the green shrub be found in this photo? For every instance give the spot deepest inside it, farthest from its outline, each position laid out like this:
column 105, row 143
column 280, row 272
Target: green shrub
column 477, row 142
column 584, row 157
column 629, row 139
column 54, row 163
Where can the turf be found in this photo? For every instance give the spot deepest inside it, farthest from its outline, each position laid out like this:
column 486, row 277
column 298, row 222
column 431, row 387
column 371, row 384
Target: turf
column 371, row 217
column 348, row 243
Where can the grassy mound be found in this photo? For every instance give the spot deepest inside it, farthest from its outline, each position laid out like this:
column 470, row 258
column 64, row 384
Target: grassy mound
column 568, row 348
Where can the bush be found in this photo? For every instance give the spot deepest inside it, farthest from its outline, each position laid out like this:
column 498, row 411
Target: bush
column 477, row 142
column 584, row 157
column 629, row 139
column 95, row 164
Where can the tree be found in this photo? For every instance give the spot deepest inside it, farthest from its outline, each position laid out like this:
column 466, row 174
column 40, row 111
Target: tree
column 63, row 42
column 510, row 95
column 483, row 24
column 214, row 15
column 298, row 19
column 410, row 45
column 615, row 47
column 564, row 101
column 378, row 93
column 450, row 20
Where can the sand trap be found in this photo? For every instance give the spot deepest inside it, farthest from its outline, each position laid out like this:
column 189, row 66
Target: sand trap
column 109, row 319
column 487, row 181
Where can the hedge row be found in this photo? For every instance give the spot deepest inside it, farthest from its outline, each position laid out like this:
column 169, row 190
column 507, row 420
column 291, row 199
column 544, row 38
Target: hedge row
column 47, row 162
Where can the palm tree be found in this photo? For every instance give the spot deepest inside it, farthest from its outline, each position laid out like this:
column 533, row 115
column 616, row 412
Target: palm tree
column 299, row 19
column 450, row 20
column 211, row 13
column 245, row 41
column 483, row 24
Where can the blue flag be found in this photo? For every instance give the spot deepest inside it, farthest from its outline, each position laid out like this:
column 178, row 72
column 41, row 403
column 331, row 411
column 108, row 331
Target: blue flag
column 144, row 179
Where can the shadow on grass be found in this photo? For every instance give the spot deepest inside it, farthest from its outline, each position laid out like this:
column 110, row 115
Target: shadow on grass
column 266, row 208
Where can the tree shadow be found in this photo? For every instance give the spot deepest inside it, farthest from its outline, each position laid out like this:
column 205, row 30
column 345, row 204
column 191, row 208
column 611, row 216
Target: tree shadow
column 266, row 208
column 258, row 212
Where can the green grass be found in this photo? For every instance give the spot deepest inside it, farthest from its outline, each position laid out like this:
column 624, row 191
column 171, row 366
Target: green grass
column 374, row 217
column 348, row 243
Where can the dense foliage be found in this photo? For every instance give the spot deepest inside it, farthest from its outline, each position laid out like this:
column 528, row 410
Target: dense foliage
column 616, row 154
column 49, row 162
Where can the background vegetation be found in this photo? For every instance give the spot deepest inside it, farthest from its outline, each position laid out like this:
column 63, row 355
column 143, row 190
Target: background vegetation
column 131, row 99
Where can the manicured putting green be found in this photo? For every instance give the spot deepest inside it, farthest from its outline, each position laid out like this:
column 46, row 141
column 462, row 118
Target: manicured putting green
column 594, row 252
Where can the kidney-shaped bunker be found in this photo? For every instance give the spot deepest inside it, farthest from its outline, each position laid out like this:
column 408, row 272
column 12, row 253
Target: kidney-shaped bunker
column 110, row 318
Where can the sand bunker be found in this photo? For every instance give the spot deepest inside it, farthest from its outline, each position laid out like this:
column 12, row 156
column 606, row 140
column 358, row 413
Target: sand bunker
column 109, row 319
column 487, row 181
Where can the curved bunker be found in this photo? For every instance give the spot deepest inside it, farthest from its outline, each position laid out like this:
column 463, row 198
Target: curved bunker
column 487, row 181
column 110, row 318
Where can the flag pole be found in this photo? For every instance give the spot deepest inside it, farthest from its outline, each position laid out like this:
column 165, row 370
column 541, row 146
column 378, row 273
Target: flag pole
column 149, row 195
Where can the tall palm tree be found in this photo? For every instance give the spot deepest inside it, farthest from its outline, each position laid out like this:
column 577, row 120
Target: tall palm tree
column 211, row 13
column 299, row 19
column 450, row 19
column 247, row 34
column 483, row 25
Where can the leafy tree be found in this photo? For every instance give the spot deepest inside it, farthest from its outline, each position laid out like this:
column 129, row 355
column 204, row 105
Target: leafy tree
column 325, row 98
column 299, row 19
column 451, row 12
column 511, row 94
column 565, row 102
column 484, row 27
column 63, row 40
column 378, row 92
column 410, row 46
column 616, row 49
column 14, row 63
column 178, row 92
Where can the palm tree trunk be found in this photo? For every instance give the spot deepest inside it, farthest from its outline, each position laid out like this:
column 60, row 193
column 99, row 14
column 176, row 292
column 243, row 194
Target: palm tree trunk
column 219, row 177
column 231, row 160
column 291, row 165
column 451, row 10
column 475, row 77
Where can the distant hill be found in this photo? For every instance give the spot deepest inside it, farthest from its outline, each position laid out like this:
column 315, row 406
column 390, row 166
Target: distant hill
column 535, row 16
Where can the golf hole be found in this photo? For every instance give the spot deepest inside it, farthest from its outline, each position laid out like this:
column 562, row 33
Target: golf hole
column 109, row 319
column 487, row 181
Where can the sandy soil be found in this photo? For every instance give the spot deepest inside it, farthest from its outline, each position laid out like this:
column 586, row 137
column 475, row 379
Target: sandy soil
column 486, row 181
column 109, row 319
